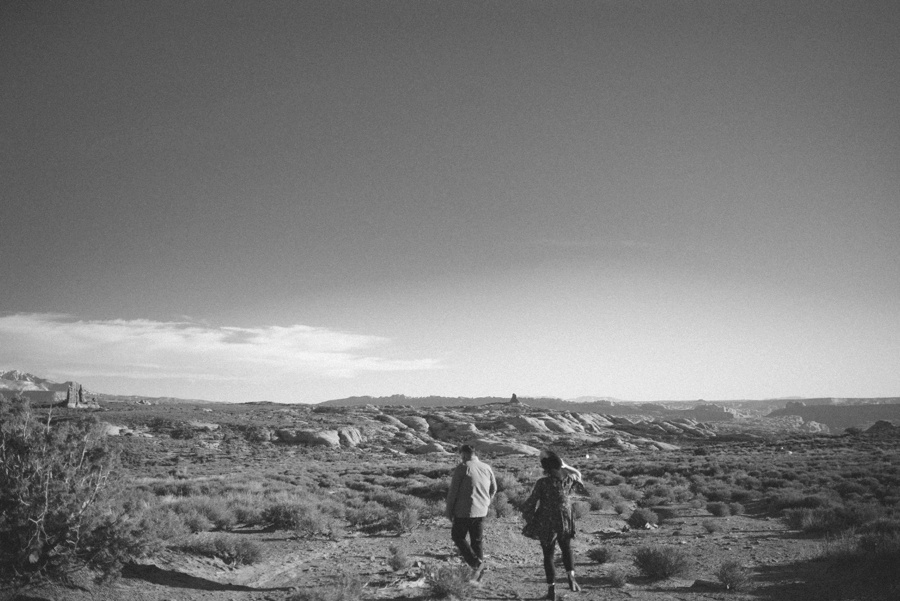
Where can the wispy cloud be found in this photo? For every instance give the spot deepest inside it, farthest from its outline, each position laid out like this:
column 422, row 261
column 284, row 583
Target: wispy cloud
column 146, row 349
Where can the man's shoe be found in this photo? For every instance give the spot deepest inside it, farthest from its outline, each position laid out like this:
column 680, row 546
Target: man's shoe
column 551, row 592
column 478, row 573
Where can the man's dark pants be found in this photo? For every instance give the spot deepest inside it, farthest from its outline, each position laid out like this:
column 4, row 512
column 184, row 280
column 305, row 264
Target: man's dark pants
column 473, row 555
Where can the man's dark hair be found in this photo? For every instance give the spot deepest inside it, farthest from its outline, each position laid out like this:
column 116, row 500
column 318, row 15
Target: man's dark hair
column 466, row 450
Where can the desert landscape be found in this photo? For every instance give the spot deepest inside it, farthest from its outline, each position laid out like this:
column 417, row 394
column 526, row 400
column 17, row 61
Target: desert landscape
column 344, row 500
column 268, row 265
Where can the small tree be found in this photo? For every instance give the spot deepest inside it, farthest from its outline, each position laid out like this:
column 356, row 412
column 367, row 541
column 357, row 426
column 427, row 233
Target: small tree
column 54, row 484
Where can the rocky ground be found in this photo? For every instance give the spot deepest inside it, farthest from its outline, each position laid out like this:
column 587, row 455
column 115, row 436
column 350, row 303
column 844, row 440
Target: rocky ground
column 243, row 442
column 779, row 561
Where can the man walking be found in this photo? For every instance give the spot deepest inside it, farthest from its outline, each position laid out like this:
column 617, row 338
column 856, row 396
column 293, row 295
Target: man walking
column 472, row 489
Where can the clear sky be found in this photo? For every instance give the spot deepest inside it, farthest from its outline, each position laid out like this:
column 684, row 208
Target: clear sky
column 299, row 201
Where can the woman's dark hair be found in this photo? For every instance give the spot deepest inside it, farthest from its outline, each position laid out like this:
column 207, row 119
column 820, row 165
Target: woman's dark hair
column 551, row 462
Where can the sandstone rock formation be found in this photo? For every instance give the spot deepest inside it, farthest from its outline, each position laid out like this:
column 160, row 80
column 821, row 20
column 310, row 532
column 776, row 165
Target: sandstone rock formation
column 325, row 438
column 75, row 398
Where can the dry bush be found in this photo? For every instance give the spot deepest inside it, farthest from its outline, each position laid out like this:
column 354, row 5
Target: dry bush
column 595, row 497
column 642, row 516
column 733, row 575
column 369, row 517
column 398, row 559
column 830, row 520
column 502, row 507
column 867, row 561
column 303, row 518
column 712, row 526
column 450, row 582
column 628, row 492
column 345, row 588
column 659, row 562
column 233, row 551
column 601, row 555
column 57, row 513
column 617, row 577
column 406, row 520
column 718, row 509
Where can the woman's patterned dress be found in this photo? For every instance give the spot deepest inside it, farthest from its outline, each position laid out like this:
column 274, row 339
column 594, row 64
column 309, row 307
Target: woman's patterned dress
column 549, row 505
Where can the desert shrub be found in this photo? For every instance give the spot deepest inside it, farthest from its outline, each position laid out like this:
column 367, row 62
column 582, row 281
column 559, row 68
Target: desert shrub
column 509, row 484
column 580, row 509
column 396, row 501
column 712, row 526
column 830, row 520
column 345, row 588
column 601, row 555
column 733, row 575
column 890, row 526
column 302, row 518
column 869, row 560
column 182, row 431
column 56, row 481
column 720, row 510
column 736, row 508
column 617, row 577
column 196, row 521
column 628, row 492
column 212, row 512
column 233, row 551
column 502, row 507
column 659, row 562
column 794, row 499
column 595, row 497
column 406, row 520
column 642, row 516
column 621, row 507
column 397, row 560
column 369, row 517
column 715, row 491
column 660, row 494
column 450, row 582
column 246, row 512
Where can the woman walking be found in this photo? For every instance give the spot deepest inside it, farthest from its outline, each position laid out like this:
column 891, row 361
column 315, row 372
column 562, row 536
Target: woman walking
column 548, row 511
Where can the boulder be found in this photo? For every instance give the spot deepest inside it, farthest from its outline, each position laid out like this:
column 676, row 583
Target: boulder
column 390, row 419
column 592, row 422
column 523, row 423
column 414, row 422
column 431, row 447
column 499, row 447
column 444, row 429
column 349, row 437
column 108, row 429
column 203, row 426
column 323, row 438
column 558, row 425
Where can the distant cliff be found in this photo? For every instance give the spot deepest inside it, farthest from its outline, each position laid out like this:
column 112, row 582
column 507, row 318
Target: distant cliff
column 841, row 417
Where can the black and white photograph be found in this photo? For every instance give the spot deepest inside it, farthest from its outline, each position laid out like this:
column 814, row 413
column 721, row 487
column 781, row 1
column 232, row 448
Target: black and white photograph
column 337, row 300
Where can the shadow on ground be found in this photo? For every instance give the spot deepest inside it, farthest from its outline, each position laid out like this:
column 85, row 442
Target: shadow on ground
column 172, row 578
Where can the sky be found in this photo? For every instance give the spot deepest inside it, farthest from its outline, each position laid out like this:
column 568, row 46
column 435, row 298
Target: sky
column 303, row 201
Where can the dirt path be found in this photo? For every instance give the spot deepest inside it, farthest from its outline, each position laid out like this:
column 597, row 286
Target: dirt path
column 778, row 559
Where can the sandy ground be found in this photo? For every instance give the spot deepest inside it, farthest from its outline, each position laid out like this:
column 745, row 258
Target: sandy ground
column 782, row 564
